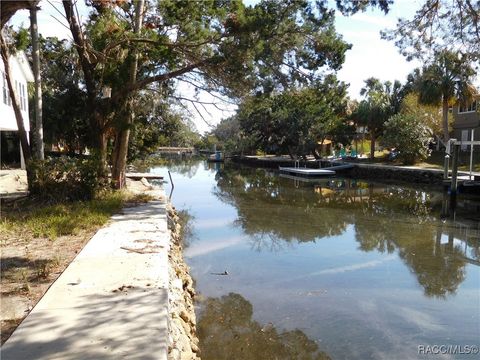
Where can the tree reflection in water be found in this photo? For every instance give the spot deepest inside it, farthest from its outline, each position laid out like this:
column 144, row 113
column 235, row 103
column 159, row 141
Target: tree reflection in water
column 273, row 210
column 227, row 331
column 183, row 164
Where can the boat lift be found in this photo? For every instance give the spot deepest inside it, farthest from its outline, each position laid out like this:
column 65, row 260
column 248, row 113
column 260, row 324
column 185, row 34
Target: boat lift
column 453, row 150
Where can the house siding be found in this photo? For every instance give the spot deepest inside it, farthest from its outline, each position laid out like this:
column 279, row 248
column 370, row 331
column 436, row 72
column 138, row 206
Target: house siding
column 467, row 121
column 21, row 75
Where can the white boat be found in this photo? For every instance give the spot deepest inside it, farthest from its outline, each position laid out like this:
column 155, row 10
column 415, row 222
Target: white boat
column 216, row 157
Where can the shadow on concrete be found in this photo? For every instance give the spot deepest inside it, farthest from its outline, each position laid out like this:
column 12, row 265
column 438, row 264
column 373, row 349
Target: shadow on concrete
column 145, row 212
column 10, row 266
column 124, row 324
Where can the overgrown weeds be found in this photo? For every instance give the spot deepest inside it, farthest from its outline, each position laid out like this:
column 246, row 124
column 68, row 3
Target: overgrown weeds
column 37, row 219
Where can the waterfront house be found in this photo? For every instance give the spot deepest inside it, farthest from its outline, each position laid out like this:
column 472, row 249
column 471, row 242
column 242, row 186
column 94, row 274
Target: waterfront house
column 11, row 153
column 466, row 117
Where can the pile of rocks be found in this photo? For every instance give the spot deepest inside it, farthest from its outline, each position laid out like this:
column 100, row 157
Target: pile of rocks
column 183, row 341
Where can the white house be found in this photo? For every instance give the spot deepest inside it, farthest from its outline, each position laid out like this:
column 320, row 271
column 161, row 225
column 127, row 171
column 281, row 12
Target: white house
column 10, row 143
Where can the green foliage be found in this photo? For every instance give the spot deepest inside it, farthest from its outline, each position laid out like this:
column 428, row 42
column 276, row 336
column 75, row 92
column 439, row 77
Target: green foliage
column 161, row 126
column 348, row 7
column 445, row 78
column 295, row 121
column 64, row 101
column 409, row 135
column 381, row 101
column 223, row 47
column 429, row 115
column 439, row 25
column 22, row 39
column 63, row 178
column 442, row 81
column 232, row 138
column 228, row 134
column 207, row 142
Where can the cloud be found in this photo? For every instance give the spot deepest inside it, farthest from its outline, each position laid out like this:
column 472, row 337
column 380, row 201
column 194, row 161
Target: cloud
column 211, row 224
column 380, row 21
column 420, row 319
column 206, row 247
column 353, row 267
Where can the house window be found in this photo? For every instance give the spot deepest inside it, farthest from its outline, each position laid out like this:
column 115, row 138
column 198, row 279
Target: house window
column 17, row 90
column 465, row 134
column 24, row 97
column 21, row 93
column 468, row 107
column 5, row 89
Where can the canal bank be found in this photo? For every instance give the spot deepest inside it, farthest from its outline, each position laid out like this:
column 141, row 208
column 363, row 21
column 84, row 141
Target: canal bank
column 343, row 267
column 379, row 172
column 121, row 297
column 183, row 341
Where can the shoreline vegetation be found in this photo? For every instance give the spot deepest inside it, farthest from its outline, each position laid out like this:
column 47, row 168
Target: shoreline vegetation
column 39, row 240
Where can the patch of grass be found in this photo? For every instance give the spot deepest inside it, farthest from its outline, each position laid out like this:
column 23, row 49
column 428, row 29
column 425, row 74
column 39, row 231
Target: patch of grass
column 137, row 199
column 68, row 218
column 26, row 283
column 437, row 158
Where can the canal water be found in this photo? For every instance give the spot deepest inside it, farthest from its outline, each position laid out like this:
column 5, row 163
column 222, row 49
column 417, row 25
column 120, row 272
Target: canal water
column 334, row 268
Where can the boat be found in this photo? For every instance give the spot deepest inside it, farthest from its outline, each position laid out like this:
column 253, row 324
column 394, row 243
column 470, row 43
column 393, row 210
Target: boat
column 217, row 156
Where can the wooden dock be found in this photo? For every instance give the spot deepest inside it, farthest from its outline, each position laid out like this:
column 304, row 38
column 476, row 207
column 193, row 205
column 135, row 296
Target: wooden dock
column 305, row 179
column 328, row 171
column 148, row 176
column 306, row 171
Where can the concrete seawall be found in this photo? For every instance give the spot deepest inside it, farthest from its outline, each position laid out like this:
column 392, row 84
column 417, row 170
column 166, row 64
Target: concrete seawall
column 386, row 173
column 127, row 294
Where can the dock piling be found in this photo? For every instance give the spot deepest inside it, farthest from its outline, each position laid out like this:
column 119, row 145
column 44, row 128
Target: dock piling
column 453, row 186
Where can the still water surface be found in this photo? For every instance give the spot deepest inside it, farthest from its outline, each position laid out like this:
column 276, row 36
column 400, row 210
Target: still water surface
column 337, row 268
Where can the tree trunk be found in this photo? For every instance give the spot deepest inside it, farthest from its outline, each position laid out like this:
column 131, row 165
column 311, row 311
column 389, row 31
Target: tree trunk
column 446, row 135
column 121, row 142
column 119, row 159
column 22, row 133
column 97, row 121
column 372, row 147
column 38, row 128
column 102, row 153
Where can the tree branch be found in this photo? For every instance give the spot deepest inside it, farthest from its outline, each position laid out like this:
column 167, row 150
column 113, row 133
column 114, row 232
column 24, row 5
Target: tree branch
column 140, row 84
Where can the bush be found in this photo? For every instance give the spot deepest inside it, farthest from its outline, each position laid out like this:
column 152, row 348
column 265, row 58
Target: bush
column 64, row 178
column 409, row 136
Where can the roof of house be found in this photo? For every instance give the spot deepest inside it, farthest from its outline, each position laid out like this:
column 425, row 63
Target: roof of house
column 24, row 65
column 20, row 61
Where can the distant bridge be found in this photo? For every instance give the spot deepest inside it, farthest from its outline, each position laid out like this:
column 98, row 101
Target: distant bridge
column 173, row 149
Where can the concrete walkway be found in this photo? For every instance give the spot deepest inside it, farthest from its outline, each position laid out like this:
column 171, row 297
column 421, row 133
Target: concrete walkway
column 111, row 302
column 13, row 183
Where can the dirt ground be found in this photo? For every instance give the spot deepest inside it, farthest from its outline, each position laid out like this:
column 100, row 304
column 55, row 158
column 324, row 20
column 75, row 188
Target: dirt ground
column 30, row 265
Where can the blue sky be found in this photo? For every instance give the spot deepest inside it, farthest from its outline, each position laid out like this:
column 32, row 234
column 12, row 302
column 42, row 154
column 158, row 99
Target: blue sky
column 369, row 56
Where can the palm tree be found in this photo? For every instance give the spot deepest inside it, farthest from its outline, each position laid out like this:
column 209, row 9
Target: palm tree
column 446, row 79
column 381, row 101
